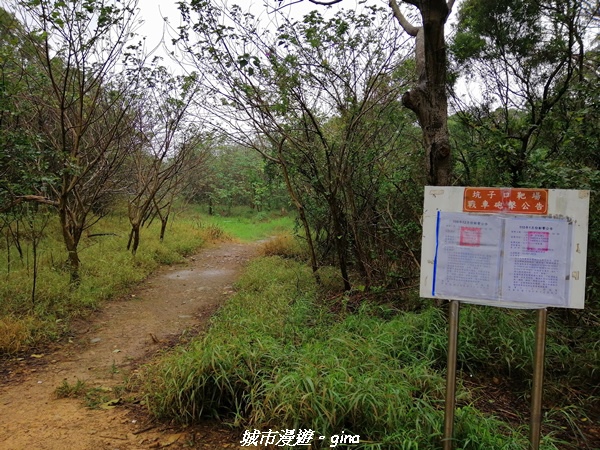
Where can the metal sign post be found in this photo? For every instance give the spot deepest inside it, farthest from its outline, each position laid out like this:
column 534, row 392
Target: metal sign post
column 451, row 374
column 538, row 380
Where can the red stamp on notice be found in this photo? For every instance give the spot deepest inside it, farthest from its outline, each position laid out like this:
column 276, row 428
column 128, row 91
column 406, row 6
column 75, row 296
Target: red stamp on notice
column 470, row 236
column 537, row 241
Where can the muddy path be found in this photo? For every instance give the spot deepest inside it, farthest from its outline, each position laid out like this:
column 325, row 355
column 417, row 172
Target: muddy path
column 109, row 348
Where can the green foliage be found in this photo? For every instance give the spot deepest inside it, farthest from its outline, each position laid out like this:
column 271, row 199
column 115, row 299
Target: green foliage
column 235, row 176
column 275, row 357
column 522, row 55
column 247, row 225
column 319, row 98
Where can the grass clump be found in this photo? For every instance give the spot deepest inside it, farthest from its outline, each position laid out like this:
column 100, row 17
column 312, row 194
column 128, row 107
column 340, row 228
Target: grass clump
column 284, row 245
column 15, row 333
column 68, row 390
column 275, row 357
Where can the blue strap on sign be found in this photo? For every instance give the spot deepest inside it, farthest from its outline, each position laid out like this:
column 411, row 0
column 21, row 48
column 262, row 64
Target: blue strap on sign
column 437, row 243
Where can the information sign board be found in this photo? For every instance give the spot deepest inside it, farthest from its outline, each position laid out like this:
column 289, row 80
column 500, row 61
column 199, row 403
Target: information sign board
column 526, row 249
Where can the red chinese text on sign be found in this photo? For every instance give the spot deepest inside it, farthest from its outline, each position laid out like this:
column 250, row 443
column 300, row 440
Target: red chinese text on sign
column 506, row 200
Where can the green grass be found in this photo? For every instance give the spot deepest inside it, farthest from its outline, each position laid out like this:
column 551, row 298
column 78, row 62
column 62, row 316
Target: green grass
column 107, row 270
column 249, row 227
column 276, row 357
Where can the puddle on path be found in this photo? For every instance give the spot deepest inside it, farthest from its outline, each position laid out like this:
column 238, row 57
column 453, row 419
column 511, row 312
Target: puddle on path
column 208, row 273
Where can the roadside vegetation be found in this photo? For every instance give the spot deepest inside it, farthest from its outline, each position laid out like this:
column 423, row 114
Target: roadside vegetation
column 32, row 314
column 37, row 301
column 282, row 355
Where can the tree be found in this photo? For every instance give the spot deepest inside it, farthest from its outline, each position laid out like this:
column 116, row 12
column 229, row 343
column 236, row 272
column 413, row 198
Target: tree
column 316, row 99
column 428, row 98
column 22, row 163
column 237, row 176
column 526, row 55
column 167, row 146
column 80, row 103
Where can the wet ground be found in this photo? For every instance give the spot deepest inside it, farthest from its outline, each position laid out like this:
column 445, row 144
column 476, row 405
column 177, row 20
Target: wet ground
column 111, row 347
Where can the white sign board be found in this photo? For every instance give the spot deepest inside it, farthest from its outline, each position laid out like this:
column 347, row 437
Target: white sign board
column 505, row 247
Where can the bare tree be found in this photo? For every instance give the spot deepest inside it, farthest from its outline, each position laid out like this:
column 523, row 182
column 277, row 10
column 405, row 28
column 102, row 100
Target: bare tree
column 168, row 145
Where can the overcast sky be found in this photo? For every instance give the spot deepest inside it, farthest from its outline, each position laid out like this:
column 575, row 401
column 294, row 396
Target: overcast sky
column 152, row 13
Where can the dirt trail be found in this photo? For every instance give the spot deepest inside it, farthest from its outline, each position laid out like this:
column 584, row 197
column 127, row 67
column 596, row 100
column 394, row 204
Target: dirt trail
column 110, row 346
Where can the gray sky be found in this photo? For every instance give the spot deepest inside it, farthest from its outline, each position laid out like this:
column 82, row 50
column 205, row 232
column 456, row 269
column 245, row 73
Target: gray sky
column 153, row 11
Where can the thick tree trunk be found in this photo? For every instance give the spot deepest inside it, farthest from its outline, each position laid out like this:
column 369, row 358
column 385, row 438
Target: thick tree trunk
column 428, row 98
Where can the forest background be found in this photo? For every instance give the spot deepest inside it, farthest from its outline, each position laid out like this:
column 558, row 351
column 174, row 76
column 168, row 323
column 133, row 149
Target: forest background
column 101, row 143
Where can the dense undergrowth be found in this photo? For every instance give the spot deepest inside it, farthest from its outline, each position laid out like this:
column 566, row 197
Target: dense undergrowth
column 278, row 357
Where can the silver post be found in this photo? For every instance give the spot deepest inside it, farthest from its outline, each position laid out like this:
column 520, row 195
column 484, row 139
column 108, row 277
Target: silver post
column 538, row 380
column 451, row 375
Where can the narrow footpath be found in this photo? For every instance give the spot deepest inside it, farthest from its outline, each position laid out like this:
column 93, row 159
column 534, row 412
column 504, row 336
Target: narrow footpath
column 108, row 349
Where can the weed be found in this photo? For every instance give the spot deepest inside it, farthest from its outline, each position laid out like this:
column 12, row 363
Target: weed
column 14, row 334
column 284, row 245
column 92, row 397
column 97, row 396
column 67, row 390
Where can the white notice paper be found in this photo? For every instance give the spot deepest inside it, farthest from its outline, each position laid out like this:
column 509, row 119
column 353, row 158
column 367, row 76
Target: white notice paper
column 468, row 254
column 510, row 259
column 536, row 261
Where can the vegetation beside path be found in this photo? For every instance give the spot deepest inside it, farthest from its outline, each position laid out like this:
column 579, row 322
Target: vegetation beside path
column 37, row 301
column 280, row 355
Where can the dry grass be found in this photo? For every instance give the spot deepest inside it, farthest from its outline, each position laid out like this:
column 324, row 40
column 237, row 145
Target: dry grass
column 14, row 333
column 285, row 246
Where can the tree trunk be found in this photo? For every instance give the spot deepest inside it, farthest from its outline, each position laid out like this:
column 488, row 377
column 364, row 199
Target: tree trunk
column 73, row 260
column 301, row 213
column 71, row 240
column 134, row 238
column 341, row 242
column 163, row 226
column 428, row 99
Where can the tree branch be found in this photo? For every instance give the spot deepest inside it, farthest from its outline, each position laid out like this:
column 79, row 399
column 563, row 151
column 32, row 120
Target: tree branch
column 28, row 198
column 406, row 25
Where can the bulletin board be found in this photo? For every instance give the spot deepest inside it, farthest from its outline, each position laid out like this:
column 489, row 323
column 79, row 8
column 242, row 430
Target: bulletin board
column 514, row 248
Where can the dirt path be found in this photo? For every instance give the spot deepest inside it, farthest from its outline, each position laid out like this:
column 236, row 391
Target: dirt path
column 174, row 302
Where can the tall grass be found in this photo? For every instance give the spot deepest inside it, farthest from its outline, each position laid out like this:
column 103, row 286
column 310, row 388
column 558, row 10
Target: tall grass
column 275, row 357
column 107, row 270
